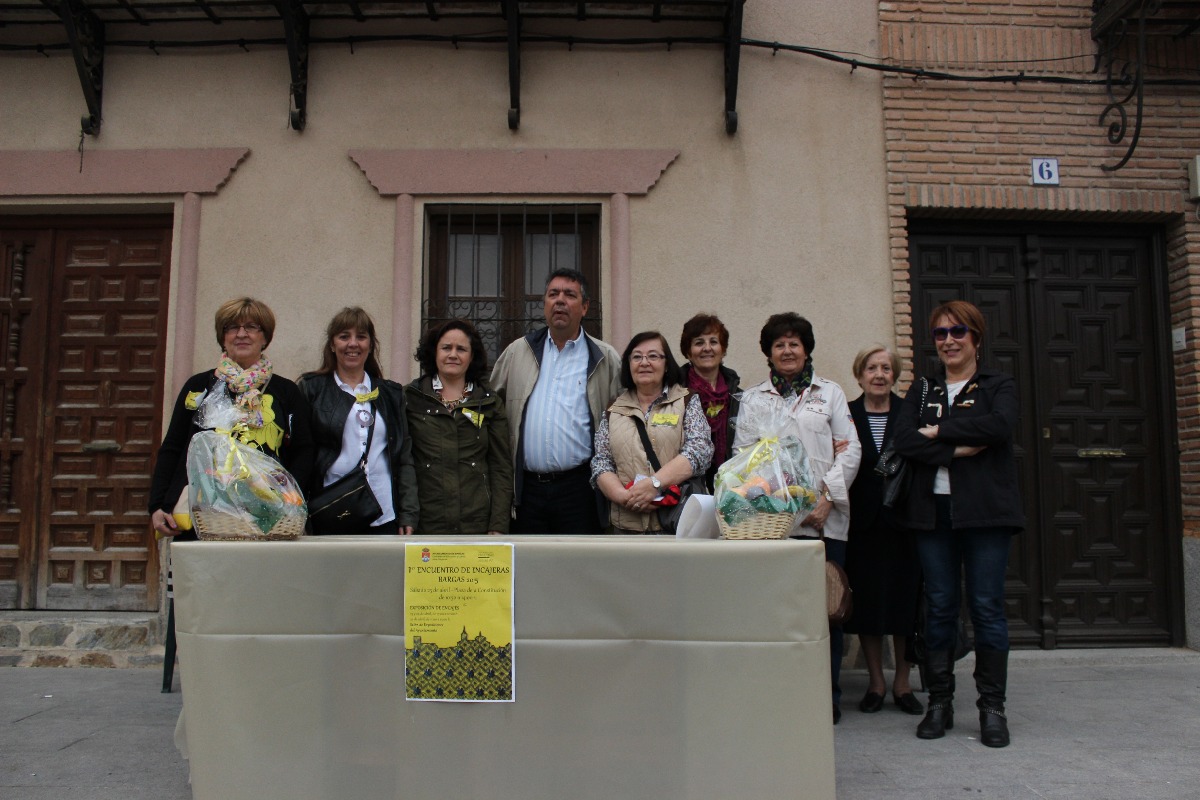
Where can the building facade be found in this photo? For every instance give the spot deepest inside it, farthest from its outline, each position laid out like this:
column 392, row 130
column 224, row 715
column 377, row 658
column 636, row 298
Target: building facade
column 432, row 159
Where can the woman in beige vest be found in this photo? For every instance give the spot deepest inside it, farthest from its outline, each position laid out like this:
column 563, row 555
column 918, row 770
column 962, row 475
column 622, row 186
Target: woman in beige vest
column 674, row 422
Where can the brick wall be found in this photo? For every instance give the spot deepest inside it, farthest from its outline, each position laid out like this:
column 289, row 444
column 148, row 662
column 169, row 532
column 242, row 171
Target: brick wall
column 959, row 148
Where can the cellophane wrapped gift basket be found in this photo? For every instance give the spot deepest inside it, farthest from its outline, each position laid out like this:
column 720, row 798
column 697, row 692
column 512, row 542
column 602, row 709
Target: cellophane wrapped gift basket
column 237, row 491
column 765, row 488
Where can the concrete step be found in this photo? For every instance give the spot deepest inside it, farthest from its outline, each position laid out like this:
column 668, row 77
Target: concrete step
column 80, row 639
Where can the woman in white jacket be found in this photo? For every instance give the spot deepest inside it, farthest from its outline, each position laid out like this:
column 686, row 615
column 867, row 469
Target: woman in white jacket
column 818, row 415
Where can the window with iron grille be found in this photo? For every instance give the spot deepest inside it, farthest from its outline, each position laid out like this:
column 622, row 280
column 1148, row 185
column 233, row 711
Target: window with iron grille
column 488, row 264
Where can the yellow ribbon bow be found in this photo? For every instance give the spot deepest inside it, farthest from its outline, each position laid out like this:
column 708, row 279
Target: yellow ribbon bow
column 243, row 471
column 763, row 452
column 368, row 397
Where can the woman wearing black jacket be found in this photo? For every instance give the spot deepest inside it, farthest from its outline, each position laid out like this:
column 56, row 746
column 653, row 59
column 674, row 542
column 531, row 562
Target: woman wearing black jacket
column 881, row 557
column 350, row 400
column 273, row 409
column 964, row 504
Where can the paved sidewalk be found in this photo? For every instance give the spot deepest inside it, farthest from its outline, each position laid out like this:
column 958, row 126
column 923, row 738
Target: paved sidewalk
column 1086, row 725
column 89, row 734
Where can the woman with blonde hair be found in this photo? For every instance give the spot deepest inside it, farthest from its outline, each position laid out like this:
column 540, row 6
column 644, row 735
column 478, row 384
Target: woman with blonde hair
column 274, row 412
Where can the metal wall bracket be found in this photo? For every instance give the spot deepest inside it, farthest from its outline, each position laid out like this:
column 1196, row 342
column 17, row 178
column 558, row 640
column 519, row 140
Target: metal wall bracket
column 85, row 33
column 512, row 12
column 295, row 30
column 733, row 57
column 1121, row 74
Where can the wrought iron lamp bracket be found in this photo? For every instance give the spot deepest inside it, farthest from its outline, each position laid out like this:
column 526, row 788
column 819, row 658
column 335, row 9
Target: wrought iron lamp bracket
column 1124, row 78
column 295, row 29
column 85, row 34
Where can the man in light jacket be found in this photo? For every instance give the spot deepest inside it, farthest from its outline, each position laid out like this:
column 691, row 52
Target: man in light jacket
column 556, row 382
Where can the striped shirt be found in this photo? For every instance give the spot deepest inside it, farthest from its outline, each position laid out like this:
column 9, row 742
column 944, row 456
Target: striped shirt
column 878, row 422
column 558, row 429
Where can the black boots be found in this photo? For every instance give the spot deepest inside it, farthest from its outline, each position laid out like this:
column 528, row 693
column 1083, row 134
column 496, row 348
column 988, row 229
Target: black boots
column 939, row 674
column 991, row 679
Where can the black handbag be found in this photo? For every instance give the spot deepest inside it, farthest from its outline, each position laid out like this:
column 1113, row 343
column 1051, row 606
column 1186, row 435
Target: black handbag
column 896, row 472
column 347, row 505
column 668, row 516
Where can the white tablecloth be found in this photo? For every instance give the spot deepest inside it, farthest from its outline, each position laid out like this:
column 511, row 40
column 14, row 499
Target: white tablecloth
column 646, row 667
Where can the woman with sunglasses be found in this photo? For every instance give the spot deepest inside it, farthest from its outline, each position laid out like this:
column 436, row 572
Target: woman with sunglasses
column 672, row 418
column 274, row 411
column 956, row 430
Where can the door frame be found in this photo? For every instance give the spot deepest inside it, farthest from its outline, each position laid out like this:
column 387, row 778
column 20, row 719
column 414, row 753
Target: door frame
column 1163, row 373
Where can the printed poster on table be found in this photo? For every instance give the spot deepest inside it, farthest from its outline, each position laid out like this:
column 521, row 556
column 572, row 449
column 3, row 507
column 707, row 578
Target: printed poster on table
column 458, row 622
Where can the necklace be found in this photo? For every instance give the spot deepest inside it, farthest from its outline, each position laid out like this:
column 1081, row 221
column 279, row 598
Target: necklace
column 453, row 404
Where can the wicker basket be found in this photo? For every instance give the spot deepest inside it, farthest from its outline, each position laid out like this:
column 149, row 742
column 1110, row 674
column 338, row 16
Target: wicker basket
column 759, row 526
column 212, row 526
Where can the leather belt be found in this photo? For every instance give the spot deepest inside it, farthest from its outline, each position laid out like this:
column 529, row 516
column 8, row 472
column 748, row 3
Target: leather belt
column 550, row 477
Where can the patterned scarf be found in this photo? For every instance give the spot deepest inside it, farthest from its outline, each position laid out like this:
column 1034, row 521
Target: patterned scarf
column 796, row 385
column 246, row 386
column 715, row 402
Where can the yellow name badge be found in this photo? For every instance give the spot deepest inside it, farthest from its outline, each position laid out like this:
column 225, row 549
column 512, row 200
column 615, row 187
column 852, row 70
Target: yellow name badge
column 192, row 401
column 664, row 419
column 476, row 417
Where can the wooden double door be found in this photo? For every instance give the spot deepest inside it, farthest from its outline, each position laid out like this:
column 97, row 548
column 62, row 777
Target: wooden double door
column 83, row 305
column 1078, row 316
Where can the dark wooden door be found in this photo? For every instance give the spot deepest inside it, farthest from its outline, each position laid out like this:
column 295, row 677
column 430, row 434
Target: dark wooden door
column 98, row 349
column 23, row 309
column 1077, row 317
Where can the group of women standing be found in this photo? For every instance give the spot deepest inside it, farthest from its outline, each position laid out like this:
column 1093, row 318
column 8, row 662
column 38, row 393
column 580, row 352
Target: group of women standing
column 438, row 461
column 446, row 421
column 955, row 429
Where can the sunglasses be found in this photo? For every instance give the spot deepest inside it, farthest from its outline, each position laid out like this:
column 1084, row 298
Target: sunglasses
column 954, row 332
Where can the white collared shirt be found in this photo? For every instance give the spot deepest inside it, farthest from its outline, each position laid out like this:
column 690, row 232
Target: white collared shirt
column 354, row 440
column 558, row 429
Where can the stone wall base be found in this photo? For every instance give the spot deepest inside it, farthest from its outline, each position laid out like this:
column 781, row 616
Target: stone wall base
column 61, row 639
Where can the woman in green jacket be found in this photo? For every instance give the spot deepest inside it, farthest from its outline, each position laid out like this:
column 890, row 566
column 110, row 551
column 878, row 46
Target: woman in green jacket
column 459, row 435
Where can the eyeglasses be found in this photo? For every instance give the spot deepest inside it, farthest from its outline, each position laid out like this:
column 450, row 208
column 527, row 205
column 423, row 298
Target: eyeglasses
column 652, row 358
column 954, row 332
column 249, row 327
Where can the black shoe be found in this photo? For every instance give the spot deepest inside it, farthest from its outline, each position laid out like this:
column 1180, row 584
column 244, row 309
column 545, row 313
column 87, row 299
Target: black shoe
column 871, row 703
column 993, row 728
column 908, row 703
column 938, row 720
column 837, row 714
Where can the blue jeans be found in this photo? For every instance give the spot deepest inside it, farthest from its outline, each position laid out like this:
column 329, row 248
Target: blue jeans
column 835, row 551
column 946, row 555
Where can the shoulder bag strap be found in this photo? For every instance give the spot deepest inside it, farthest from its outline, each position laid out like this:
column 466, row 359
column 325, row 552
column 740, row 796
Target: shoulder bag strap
column 362, row 462
column 641, row 426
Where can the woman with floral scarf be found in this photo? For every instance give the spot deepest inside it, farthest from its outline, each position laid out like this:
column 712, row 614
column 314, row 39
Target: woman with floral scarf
column 274, row 411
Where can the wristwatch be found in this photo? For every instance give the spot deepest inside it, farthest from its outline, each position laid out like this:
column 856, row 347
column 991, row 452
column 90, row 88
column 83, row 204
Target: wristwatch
column 828, row 496
column 655, row 482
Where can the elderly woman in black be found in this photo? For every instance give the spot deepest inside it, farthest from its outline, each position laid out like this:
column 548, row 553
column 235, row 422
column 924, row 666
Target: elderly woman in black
column 460, row 436
column 956, row 429
column 350, row 401
column 273, row 409
column 881, row 559
column 704, row 342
